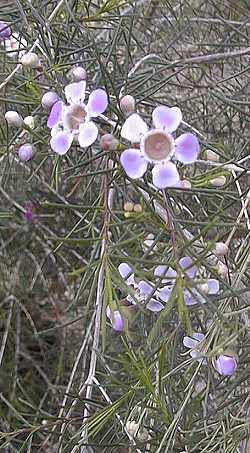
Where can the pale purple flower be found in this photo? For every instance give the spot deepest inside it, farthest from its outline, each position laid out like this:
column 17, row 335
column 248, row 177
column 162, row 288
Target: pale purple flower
column 158, row 147
column 194, row 343
column 74, row 120
column 116, row 319
column 226, row 365
column 5, row 31
column 193, row 295
column 26, row 152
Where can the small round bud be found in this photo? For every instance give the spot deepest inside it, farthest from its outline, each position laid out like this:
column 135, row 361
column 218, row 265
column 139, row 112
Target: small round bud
column 211, row 155
column 222, row 269
column 13, row 118
column 29, row 121
column 219, row 182
column 203, row 287
column 127, row 104
column 49, row 99
column 116, row 319
column 108, row 142
column 142, row 435
column 26, row 152
column 132, row 427
column 138, row 208
column 30, row 60
column 226, row 365
column 221, row 249
column 77, row 74
column 185, row 184
column 128, row 206
column 5, row 31
column 127, row 214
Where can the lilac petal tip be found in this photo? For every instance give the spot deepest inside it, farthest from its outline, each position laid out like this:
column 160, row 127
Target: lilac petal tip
column 61, row 142
column 165, row 175
column 213, row 286
column 55, row 114
column 133, row 163
column 187, row 148
column 116, row 320
column 98, row 102
column 124, row 270
column 155, row 306
column 187, row 265
column 167, row 118
column 88, row 134
column 226, row 365
column 75, row 92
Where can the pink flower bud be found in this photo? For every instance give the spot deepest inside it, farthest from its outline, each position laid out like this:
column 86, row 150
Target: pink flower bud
column 26, row 152
column 77, row 74
column 127, row 104
column 5, row 31
column 13, row 118
column 49, row 99
column 108, row 142
column 221, row 249
column 30, row 60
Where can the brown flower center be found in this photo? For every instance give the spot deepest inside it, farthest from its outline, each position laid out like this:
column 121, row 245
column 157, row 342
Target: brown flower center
column 157, row 145
column 75, row 116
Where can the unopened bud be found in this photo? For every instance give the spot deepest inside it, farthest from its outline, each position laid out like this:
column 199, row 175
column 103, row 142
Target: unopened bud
column 108, row 142
column 26, row 152
column 138, row 208
column 127, row 104
column 77, row 74
column 127, row 214
column 128, row 206
column 13, row 118
column 49, row 99
column 143, row 435
column 30, row 60
column 211, row 155
column 221, row 249
column 203, row 287
column 29, row 121
column 222, row 269
column 226, row 364
column 219, row 182
column 186, row 184
column 132, row 427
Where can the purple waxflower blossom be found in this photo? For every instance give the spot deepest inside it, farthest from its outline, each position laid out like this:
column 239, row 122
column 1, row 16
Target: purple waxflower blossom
column 195, row 343
column 158, row 147
column 193, row 295
column 226, row 365
column 74, row 120
column 5, row 31
column 116, row 320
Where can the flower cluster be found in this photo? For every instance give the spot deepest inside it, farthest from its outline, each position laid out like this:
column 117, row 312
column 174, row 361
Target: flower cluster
column 225, row 364
column 72, row 120
column 158, row 147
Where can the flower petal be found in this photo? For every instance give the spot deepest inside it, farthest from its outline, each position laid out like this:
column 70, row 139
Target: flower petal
column 198, row 336
column 163, row 271
column 133, row 163
column 55, row 115
column 75, row 92
column 165, row 175
column 116, row 319
column 187, row 148
column 190, row 342
column 213, row 286
column 124, row 270
column 187, row 265
column 145, row 288
column 155, row 306
column 167, row 118
column 97, row 103
column 193, row 298
column 61, row 142
column 165, row 292
column 88, row 134
column 134, row 128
